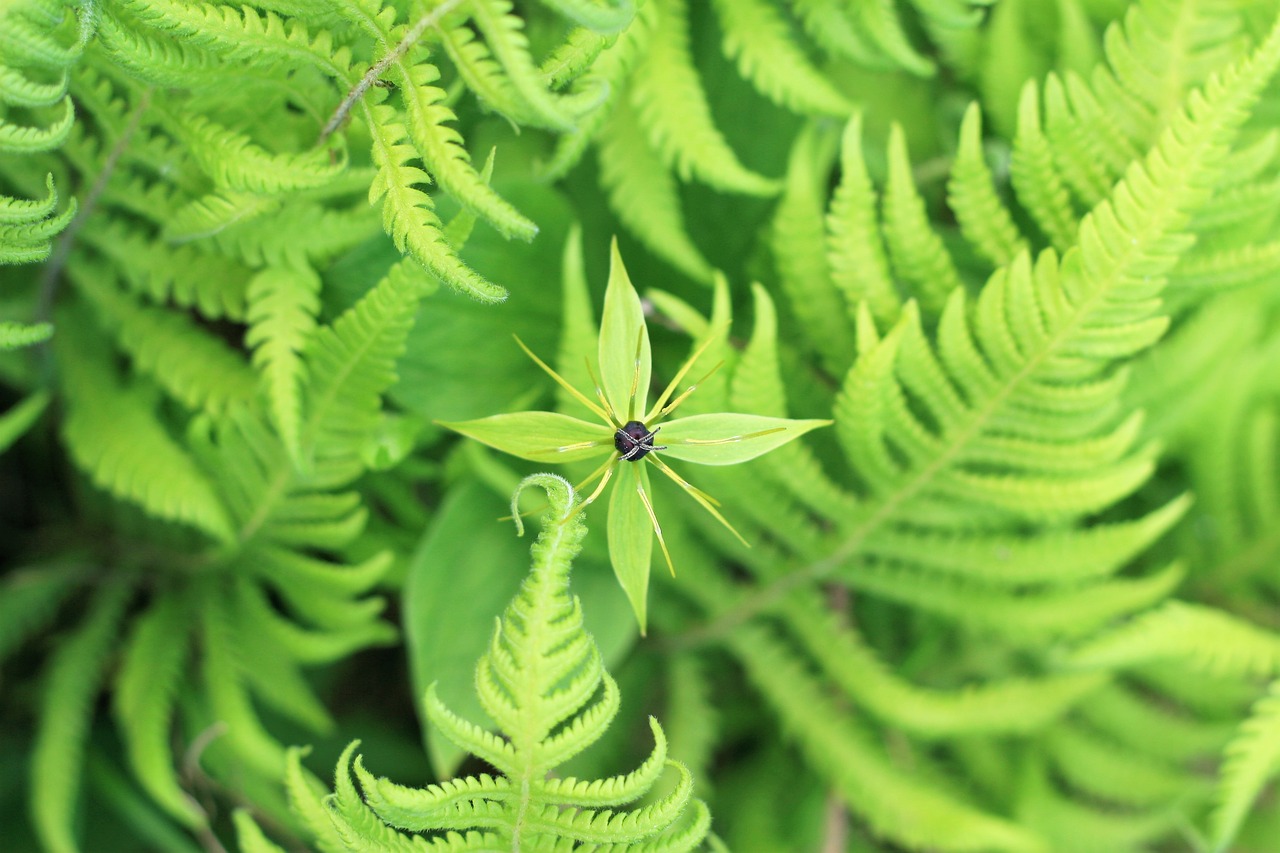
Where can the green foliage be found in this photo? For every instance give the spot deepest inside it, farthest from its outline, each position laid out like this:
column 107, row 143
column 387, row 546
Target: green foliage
column 1022, row 257
column 543, row 683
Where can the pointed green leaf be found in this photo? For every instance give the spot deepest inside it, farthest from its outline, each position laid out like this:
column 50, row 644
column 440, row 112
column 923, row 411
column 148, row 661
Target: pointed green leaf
column 538, row 436
column 631, row 537
column 622, row 366
column 727, row 438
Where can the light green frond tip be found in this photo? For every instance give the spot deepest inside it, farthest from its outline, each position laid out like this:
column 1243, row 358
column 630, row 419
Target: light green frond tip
column 543, row 683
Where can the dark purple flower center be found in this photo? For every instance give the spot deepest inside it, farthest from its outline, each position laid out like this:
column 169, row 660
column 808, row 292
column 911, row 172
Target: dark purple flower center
column 634, row 441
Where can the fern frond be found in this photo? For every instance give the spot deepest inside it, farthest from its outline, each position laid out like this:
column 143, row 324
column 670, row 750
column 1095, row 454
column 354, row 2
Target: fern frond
column 283, row 303
column 674, row 112
column 1205, row 638
column 66, row 707
column 408, row 213
column 831, row 25
column 306, row 801
column 19, row 335
column 855, row 248
column 27, row 139
column 146, row 689
column 798, row 244
column 193, row 366
column 250, row 836
column 1025, row 615
column 984, row 219
column 1251, row 758
column 235, row 162
column 610, row 73
column 28, row 599
column 210, row 283
column 1098, row 766
column 243, row 35
column 298, row 643
column 351, row 362
column 759, row 39
column 504, row 36
column 151, row 57
column 113, row 435
column 757, row 387
column 440, row 144
column 643, row 193
column 1007, row 706
column 915, row 247
column 906, row 809
column 225, row 689
column 1039, row 186
column 537, row 681
column 880, row 21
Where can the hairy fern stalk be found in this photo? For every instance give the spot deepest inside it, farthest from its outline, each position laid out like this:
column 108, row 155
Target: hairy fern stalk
column 1021, row 595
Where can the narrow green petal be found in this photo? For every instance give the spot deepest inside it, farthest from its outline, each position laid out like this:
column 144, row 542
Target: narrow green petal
column 726, row 439
column 631, row 538
column 621, row 328
column 539, row 436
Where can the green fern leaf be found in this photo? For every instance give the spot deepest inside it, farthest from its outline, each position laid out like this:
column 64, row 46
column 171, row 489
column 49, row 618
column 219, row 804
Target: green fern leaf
column 917, row 251
column 113, row 435
column 1006, row 706
column 759, row 39
column 610, row 72
column 283, row 303
column 1206, row 638
column 225, row 690
column 351, row 363
column 1100, row 767
column 537, row 681
column 24, row 139
column 1251, row 758
column 441, row 145
column 66, row 709
column 799, row 242
column 408, row 213
column 983, row 217
column 855, row 249
column 146, row 688
column 644, row 195
column 674, row 111
column 880, row 21
column 306, row 801
column 193, row 366
column 1040, row 188
column 895, row 805
column 15, row 422
column 251, row 837
column 830, row 23
column 28, row 600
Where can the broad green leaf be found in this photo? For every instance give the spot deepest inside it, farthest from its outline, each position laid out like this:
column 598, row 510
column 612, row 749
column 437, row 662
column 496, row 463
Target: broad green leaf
column 741, row 437
column 537, row 436
column 466, row 558
column 622, row 366
column 631, row 537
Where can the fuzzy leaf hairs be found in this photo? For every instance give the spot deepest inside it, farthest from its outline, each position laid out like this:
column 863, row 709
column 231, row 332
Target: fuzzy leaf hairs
column 628, row 434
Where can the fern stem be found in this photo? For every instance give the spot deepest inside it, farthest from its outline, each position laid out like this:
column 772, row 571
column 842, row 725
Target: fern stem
column 52, row 272
column 375, row 71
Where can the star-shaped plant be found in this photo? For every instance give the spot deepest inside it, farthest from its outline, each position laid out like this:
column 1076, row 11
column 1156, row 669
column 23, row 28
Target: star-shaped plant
column 628, row 434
